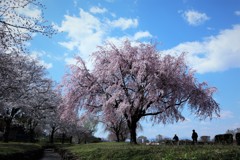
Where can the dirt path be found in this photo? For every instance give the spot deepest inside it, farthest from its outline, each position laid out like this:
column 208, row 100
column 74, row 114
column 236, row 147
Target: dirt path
column 49, row 154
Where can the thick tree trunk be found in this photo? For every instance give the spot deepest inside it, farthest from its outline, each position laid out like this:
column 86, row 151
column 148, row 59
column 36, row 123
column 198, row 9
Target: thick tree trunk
column 32, row 135
column 117, row 136
column 32, row 125
column 52, row 135
column 85, row 138
column 8, row 121
column 132, row 125
column 70, row 139
column 63, row 138
column 123, row 138
column 7, row 130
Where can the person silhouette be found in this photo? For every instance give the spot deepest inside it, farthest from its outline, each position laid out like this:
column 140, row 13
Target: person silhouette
column 176, row 139
column 194, row 137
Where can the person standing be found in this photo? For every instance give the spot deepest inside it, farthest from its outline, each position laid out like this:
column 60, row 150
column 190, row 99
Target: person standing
column 194, row 137
column 176, row 139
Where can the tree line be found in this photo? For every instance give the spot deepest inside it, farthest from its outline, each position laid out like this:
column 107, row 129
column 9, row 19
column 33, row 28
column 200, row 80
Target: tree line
column 28, row 98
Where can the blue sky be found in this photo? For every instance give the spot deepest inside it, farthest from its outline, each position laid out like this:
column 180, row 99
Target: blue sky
column 207, row 30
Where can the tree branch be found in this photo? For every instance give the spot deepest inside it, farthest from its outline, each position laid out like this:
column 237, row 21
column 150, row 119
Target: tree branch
column 23, row 27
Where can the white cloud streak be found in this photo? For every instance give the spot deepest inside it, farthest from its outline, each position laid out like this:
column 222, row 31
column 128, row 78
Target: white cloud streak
column 142, row 34
column 35, row 55
column 98, row 10
column 110, row 1
column 75, row 3
column 124, row 23
column 70, row 61
column 30, row 11
column 237, row 13
column 213, row 54
column 226, row 114
column 195, row 18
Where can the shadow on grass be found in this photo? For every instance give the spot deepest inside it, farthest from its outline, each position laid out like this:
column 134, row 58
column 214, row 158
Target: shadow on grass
column 25, row 151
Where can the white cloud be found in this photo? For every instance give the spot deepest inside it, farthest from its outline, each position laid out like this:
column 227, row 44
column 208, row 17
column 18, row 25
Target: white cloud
column 237, row 13
column 215, row 53
column 69, row 45
column 226, row 114
column 195, row 18
column 86, row 31
column 70, row 61
column 96, row 10
column 124, row 23
column 46, row 65
column 73, row 61
column 30, row 11
column 75, row 3
column 142, row 34
column 110, row 1
column 113, row 15
column 37, row 55
column 136, row 37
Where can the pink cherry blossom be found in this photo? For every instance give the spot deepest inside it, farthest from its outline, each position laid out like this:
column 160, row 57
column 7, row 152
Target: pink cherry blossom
column 137, row 81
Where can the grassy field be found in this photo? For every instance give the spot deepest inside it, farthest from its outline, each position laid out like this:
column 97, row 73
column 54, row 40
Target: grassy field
column 126, row 151
column 15, row 147
column 20, row 151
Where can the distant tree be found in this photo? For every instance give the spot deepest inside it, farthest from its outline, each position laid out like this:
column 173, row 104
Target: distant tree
column 205, row 139
column 89, row 125
column 233, row 131
column 18, row 23
column 159, row 138
column 53, row 123
column 142, row 139
column 43, row 104
column 138, row 81
column 83, row 128
column 229, row 131
column 116, row 125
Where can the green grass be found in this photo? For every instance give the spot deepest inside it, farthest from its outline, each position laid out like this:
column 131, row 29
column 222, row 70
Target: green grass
column 16, row 147
column 126, row 151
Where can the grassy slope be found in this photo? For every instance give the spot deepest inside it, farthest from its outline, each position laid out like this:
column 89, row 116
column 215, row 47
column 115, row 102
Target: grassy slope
column 15, row 147
column 125, row 151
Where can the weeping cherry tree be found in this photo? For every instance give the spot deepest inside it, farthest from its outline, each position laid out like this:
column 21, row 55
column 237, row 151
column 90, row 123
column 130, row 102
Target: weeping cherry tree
column 136, row 80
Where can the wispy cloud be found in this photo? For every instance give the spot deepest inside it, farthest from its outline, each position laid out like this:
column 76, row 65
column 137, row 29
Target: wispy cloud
column 30, row 11
column 237, row 13
column 110, row 1
column 195, row 18
column 75, row 3
column 37, row 55
column 238, row 102
column 213, row 54
column 226, row 114
column 142, row 34
column 124, row 23
column 98, row 10
column 70, row 61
